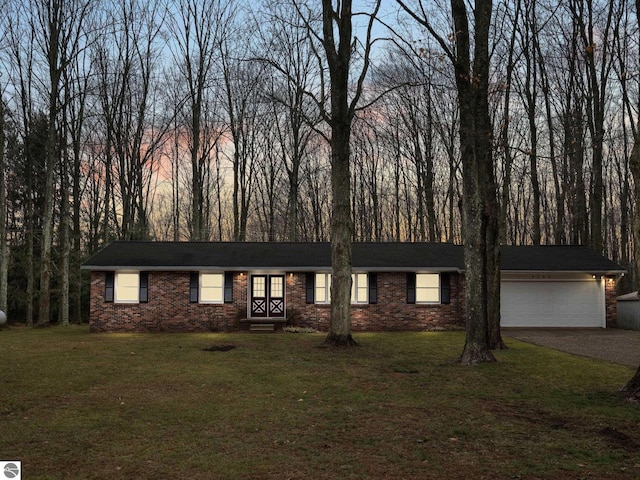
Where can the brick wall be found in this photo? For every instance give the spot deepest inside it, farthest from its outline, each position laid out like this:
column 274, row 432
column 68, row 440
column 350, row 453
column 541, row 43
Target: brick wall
column 391, row 313
column 610, row 295
column 169, row 309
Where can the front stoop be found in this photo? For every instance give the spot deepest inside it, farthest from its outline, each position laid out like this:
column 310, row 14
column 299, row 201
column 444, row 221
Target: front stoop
column 263, row 325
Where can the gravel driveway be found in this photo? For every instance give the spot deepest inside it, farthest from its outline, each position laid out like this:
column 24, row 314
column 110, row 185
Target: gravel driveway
column 611, row 344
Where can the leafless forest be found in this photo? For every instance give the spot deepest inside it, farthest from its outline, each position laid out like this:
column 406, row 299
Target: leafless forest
column 203, row 120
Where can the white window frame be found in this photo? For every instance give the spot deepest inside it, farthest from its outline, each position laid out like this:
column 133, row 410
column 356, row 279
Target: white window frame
column 428, row 284
column 322, row 289
column 126, row 287
column 359, row 288
column 211, row 287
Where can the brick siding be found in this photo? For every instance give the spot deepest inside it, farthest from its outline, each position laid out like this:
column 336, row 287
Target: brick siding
column 169, row 308
column 390, row 313
column 611, row 305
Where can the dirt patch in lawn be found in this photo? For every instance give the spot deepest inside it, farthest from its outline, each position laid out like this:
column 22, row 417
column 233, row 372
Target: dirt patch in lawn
column 218, row 348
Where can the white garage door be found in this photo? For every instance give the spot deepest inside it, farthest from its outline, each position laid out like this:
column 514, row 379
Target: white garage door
column 552, row 303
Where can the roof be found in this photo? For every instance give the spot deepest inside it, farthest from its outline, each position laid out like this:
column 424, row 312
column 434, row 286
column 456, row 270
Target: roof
column 290, row 256
column 629, row 297
column 556, row 258
column 312, row 256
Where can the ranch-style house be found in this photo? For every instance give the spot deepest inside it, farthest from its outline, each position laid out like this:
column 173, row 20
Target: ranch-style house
column 152, row 286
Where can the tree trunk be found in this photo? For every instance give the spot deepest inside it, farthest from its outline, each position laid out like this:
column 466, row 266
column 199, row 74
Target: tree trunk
column 341, row 232
column 632, row 389
column 481, row 215
column 52, row 13
column 44, row 305
column 480, row 209
column 4, row 247
column 66, row 250
column 292, row 211
column 340, row 118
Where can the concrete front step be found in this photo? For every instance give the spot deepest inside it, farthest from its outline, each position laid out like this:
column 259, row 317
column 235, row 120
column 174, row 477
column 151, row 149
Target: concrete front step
column 262, row 327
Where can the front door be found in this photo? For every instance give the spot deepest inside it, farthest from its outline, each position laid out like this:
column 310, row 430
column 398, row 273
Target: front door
column 267, row 296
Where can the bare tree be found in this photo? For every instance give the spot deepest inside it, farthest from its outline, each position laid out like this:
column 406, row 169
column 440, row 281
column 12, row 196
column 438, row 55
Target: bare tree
column 134, row 127
column 338, row 44
column 480, row 203
column 294, row 68
column 632, row 389
column 4, row 246
column 529, row 94
column 61, row 24
column 410, row 76
column 316, row 175
column 23, row 58
column 596, row 19
column 242, row 90
column 201, row 26
column 624, row 63
column 270, row 183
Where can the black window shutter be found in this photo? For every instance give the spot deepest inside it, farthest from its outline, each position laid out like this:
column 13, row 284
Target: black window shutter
column 445, row 288
column 194, row 281
column 109, row 280
column 144, row 287
column 228, row 287
column 373, row 288
column 310, row 283
column 411, row 288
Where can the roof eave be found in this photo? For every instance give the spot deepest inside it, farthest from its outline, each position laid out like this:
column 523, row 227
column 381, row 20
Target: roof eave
column 586, row 270
column 275, row 268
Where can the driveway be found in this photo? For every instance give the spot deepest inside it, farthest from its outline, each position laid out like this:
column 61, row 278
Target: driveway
column 610, row 344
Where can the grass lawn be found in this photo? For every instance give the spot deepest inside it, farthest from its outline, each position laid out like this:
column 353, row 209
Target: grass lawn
column 79, row 405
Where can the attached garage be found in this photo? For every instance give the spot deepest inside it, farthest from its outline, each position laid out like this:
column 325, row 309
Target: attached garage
column 557, row 286
column 552, row 300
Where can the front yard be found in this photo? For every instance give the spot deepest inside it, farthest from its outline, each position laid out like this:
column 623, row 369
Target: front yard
column 76, row 405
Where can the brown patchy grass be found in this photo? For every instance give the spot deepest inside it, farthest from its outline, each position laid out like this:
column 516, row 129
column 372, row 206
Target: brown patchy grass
column 76, row 405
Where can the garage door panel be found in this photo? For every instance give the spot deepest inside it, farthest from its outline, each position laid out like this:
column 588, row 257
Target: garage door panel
column 551, row 304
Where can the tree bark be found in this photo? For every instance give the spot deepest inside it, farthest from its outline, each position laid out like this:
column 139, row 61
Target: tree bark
column 338, row 58
column 51, row 21
column 341, row 233
column 480, row 204
column 4, row 247
column 632, row 389
column 481, row 215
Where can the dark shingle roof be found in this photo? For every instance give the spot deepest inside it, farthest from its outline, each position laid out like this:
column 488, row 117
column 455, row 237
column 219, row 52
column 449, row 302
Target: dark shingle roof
column 309, row 256
column 556, row 258
column 299, row 256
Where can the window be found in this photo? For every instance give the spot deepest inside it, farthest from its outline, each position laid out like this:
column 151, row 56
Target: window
column 427, row 288
column 127, row 287
column 323, row 288
column 359, row 288
column 276, row 290
column 208, row 287
column 211, row 288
